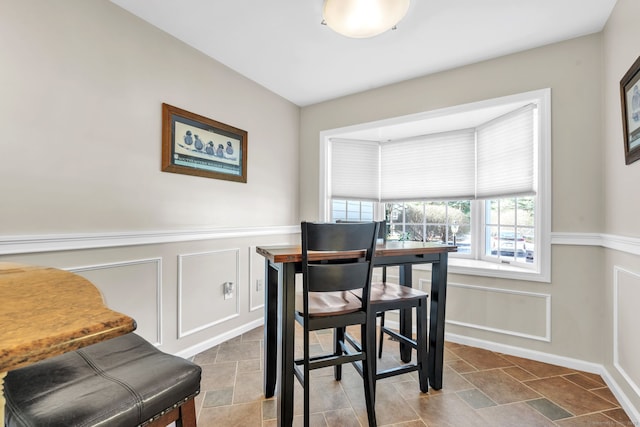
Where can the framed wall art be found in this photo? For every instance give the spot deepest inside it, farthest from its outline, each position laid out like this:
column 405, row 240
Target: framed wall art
column 199, row 146
column 630, row 98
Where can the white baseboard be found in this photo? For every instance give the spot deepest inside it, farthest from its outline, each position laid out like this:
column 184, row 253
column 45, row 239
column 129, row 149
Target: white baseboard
column 219, row 339
column 553, row 359
column 539, row 356
column 624, row 401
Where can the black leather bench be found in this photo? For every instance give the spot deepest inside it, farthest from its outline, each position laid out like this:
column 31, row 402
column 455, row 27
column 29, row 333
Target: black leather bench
column 124, row 381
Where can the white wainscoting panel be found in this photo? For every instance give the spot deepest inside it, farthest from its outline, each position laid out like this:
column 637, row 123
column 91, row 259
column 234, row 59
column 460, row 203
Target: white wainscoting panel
column 505, row 311
column 131, row 287
column 201, row 279
column 626, row 318
column 256, row 280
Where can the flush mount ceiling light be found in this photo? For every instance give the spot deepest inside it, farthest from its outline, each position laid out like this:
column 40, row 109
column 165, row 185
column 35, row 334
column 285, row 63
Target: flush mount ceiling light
column 363, row 18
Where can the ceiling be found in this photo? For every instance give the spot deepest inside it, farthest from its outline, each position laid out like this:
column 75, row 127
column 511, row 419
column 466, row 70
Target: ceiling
column 281, row 44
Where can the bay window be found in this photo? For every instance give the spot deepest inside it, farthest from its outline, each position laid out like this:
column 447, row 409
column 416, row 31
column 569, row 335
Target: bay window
column 477, row 174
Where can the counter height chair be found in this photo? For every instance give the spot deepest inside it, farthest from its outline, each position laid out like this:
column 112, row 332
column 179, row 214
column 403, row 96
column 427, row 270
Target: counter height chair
column 121, row 382
column 387, row 296
column 382, row 235
column 331, row 272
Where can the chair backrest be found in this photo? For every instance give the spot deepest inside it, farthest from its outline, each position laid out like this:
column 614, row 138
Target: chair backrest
column 338, row 271
column 382, row 235
column 382, row 231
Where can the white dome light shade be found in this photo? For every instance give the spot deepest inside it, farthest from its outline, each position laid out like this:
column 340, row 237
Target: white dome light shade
column 363, row 18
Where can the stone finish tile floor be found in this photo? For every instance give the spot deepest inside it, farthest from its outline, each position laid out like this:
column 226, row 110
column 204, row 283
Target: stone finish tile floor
column 481, row 388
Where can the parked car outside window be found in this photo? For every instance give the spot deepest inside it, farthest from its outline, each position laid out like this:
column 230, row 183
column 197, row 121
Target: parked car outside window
column 509, row 244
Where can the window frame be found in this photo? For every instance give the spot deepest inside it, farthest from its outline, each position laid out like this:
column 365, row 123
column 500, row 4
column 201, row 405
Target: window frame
column 484, row 223
column 347, row 210
column 542, row 222
column 425, row 225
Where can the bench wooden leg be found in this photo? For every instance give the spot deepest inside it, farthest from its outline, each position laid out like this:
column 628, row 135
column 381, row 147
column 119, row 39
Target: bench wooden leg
column 184, row 416
column 187, row 414
column 2, row 375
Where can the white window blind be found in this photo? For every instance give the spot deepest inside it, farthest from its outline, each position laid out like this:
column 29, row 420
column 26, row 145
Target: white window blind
column 433, row 167
column 506, row 155
column 494, row 160
column 355, row 170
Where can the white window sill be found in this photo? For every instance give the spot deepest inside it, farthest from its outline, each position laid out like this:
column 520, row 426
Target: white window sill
column 473, row 267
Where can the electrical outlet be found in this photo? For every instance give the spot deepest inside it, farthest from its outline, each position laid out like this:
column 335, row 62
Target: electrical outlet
column 259, row 285
column 227, row 289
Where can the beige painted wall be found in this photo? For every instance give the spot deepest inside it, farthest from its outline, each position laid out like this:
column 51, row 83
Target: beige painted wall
column 572, row 71
column 622, row 204
column 80, row 112
column 81, row 89
column 620, row 42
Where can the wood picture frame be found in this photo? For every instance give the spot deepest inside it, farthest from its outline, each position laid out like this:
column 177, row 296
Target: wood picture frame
column 200, row 146
column 630, row 100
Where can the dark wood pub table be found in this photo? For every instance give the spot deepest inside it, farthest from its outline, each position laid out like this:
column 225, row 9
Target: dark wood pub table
column 281, row 265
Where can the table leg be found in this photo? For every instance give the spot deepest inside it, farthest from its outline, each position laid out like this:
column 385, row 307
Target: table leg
column 406, row 325
column 437, row 320
column 270, row 329
column 286, row 332
column 422, row 353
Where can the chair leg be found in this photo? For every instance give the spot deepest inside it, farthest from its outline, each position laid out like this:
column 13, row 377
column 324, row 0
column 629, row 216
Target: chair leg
column 371, row 341
column 368, row 371
column 306, row 385
column 338, row 338
column 381, row 334
column 306, row 398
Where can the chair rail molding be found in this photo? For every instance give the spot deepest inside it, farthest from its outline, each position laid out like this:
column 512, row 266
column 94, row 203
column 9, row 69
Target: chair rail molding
column 616, row 242
column 10, row 245
column 23, row 244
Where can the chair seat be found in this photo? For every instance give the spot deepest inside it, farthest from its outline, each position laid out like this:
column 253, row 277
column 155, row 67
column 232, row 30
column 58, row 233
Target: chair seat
column 390, row 292
column 384, row 291
column 323, row 304
column 124, row 381
column 390, row 296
